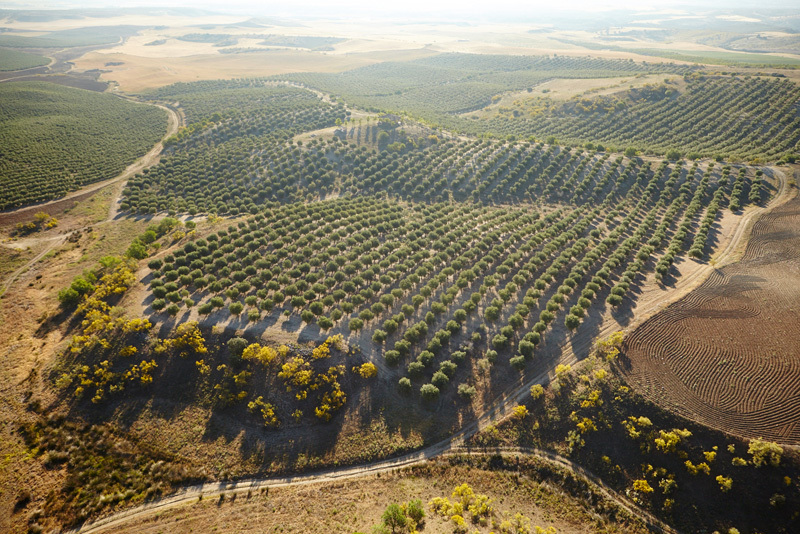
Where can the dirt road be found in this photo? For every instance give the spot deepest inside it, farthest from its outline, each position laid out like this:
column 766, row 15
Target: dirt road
column 192, row 494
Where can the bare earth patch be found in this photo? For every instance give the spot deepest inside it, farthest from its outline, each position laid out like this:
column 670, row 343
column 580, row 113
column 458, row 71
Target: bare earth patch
column 726, row 354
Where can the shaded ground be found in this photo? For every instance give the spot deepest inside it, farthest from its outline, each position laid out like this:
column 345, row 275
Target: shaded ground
column 726, row 354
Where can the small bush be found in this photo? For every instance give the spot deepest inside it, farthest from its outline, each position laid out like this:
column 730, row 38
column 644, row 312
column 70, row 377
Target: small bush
column 429, row 392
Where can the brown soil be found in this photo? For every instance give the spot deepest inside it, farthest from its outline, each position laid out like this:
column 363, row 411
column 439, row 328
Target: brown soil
column 726, row 354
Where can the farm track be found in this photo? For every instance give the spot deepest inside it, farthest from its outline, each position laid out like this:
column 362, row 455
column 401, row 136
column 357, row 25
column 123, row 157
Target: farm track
column 444, row 449
column 724, row 355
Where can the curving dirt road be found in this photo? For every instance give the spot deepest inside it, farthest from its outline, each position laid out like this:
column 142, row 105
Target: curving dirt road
column 194, row 493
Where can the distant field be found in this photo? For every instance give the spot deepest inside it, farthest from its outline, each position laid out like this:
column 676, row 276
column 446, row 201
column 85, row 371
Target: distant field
column 15, row 60
column 56, row 139
column 93, row 35
column 140, row 73
column 728, row 116
column 733, row 117
column 248, row 99
column 711, row 57
column 456, row 83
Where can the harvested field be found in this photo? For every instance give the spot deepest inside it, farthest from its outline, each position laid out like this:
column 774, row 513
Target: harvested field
column 726, row 355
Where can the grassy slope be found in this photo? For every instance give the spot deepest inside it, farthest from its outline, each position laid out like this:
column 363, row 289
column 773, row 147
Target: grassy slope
column 16, row 60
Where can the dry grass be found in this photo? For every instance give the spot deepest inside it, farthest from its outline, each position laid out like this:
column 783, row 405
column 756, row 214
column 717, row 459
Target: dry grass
column 137, row 73
column 357, row 505
column 563, row 89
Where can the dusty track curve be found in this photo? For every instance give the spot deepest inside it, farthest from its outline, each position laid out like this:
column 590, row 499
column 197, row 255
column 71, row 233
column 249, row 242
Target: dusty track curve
column 194, row 493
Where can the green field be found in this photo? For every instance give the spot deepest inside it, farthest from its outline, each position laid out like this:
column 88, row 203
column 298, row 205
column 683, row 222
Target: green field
column 733, row 59
column 430, row 245
column 16, row 60
column 731, row 117
column 94, row 35
column 57, row 139
column 456, row 83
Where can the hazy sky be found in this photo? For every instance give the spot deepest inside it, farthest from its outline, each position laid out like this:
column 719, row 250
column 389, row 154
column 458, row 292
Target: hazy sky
column 417, row 8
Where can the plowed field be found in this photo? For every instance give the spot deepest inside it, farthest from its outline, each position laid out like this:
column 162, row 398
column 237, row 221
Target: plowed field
column 727, row 354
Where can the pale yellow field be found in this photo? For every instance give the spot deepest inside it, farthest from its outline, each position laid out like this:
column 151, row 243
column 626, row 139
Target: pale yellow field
column 138, row 73
column 564, row 89
column 365, row 42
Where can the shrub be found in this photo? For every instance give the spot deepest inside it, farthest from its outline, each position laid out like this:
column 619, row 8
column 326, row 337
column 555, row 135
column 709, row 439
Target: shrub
column 440, row 379
column 466, row 391
column 517, row 362
column 404, row 384
column 519, row 412
column 69, row 298
column 429, row 392
column 765, row 452
column 447, row 367
column 526, row 348
column 392, row 357
column 425, row 358
column 416, row 368
column 572, row 321
column 499, row 341
column 379, row 336
column 415, row 511
column 236, row 346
